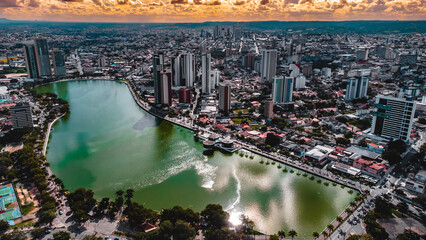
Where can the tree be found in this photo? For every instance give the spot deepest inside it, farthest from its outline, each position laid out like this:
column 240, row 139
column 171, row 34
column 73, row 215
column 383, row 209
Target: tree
column 281, row 234
column 272, row 139
column 37, row 233
column 402, row 207
column 339, row 219
column 103, row 204
column 92, row 237
column 61, row 235
column 129, row 195
column 215, row 217
column 3, row 225
column 292, row 233
column 342, row 141
column 408, row 235
column 15, row 235
column 392, row 156
column 81, row 202
column 274, row 237
column 324, row 233
column 183, row 231
column 315, row 235
column 330, row 227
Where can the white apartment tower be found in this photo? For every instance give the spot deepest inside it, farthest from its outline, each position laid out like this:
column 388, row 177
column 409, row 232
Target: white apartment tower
column 393, row 117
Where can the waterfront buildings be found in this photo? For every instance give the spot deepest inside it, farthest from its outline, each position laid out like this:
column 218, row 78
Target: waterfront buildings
column 58, row 58
column 268, row 64
column 206, row 86
column 185, row 95
column 31, row 61
column 356, row 88
column 282, row 89
column 42, row 57
column 157, row 68
column 21, row 115
column 393, row 117
column 225, row 97
column 183, row 70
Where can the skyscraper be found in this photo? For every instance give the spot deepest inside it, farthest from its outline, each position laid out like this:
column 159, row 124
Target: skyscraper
column 214, row 78
column 282, row 89
column 21, row 115
column 42, row 56
column 165, row 89
column 58, row 58
column 356, row 88
column 269, row 64
column 393, row 117
column 225, row 97
column 269, row 109
column 157, row 66
column 31, row 61
column 205, row 73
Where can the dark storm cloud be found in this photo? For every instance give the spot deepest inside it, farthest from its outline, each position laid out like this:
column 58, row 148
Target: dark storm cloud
column 239, row 3
column 73, row 1
column 264, row 2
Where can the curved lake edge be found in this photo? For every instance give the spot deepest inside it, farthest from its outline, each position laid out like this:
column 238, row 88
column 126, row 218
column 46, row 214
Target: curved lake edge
column 181, row 125
column 190, row 139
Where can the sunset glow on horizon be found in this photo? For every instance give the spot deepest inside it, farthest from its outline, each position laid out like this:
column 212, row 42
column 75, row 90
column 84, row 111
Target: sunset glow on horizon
column 211, row 10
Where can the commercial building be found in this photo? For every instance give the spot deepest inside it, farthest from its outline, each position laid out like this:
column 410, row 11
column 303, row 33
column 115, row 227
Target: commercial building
column 269, row 64
column 282, row 89
column 248, row 60
column 206, row 86
column 225, row 97
column 42, row 57
column 393, row 117
column 356, row 88
column 58, row 58
column 31, row 61
column 21, row 115
column 165, row 96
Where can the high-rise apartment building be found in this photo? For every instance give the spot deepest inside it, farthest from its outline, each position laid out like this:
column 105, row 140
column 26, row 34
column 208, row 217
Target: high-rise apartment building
column 225, row 97
column 206, row 86
column 185, row 95
column 42, row 56
column 282, row 89
column 356, row 88
column 157, row 67
column 268, row 64
column 165, row 95
column 362, row 54
column 183, row 70
column 31, row 61
column 58, row 58
column 21, row 115
column 393, row 117
column 269, row 109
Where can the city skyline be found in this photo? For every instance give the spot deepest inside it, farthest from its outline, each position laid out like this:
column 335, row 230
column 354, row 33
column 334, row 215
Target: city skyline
column 211, row 10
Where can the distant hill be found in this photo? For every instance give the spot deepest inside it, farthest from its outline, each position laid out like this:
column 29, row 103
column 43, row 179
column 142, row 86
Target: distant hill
column 331, row 27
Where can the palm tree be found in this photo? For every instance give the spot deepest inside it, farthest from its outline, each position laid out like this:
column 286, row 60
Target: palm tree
column 129, row 195
column 348, row 211
column 119, row 193
column 339, row 219
column 324, row 233
column 281, row 234
column 292, row 233
column 315, row 235
column 330, row 227
column 352, row 204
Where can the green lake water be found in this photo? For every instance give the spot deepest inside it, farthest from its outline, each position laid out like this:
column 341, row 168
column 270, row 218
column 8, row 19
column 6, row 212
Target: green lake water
column 108, row 143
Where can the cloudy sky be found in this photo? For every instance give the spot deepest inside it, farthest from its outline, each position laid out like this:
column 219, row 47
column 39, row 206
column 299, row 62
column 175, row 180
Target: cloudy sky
column 211, row 10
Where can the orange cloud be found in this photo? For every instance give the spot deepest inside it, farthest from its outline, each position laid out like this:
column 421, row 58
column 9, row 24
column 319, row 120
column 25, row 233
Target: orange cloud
column 212, row 10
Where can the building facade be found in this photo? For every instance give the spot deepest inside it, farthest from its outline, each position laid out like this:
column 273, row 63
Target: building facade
column 282, row 89
column 393, row 118
column 268, row 64
column 31, row 61
column 206, row 85
column 225, row 97
column 21, row 115
column 58, row 58
column 42, row 56
column 356, row 88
